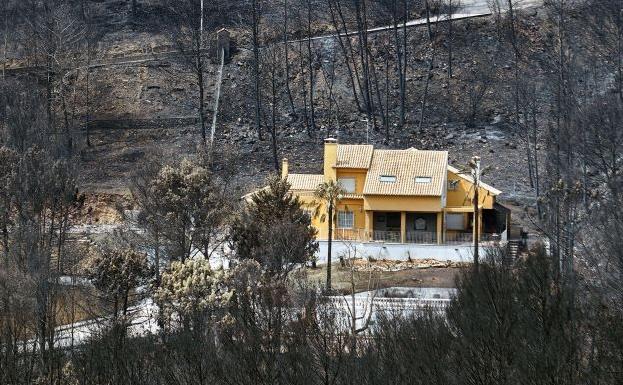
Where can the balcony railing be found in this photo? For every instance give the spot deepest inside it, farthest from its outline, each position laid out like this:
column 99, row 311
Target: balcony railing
column 421, row 237
column 458, row 238
column 386, row 236
column 350, row 234
column 415, row 237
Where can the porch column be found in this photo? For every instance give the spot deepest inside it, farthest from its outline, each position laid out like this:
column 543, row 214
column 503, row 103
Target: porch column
column 403, row 227
column 440, row 228
column 367, row 226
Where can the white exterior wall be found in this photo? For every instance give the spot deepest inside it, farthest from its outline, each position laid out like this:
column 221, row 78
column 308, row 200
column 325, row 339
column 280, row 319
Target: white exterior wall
column 395, row 251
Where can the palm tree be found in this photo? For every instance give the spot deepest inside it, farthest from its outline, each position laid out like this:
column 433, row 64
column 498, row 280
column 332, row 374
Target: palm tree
column 329, row 193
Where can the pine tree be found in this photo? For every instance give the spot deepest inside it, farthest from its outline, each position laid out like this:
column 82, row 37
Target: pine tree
column 275, row 230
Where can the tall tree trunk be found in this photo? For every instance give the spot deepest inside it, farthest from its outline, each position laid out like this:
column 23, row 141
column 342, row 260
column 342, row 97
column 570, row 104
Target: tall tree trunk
column 200, row 106
column 303, row 88
column 516, row 81
column 87, row 124
column 68, row 138
column 378, row 94
column 87, row 21
column 287, row 58
column 363, row 57
column 347, row 49
column 536, row 160
column 431, row 64
column 48, row 87
column 311, row 68
column 405, row 55
column 6, row 39
column 256, row 68
column 273, row 131
column 450, row 37
column 387, row 134
column 399, row 54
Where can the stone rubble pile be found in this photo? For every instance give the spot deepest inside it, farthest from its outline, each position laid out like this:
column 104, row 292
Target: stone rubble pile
column 363, row 265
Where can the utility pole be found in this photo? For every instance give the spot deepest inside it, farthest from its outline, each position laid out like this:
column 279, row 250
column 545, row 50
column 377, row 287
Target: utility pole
column 474, row 164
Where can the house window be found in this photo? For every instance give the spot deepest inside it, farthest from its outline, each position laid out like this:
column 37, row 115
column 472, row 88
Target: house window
column 347, row 184
column 455, row 222
column 453, row 185
column 387, row 178
column 345, row 219
column 423, row 179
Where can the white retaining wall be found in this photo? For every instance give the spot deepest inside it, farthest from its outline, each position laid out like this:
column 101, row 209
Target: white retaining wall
column 395, row 251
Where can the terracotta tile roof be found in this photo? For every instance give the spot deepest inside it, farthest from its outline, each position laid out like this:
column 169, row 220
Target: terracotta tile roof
column 354, row 155
column 352, row 196
column 469, row 178
column 305, row 182
column 406, row 165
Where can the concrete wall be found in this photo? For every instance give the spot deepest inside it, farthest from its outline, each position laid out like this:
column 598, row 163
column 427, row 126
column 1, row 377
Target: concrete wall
column 395, row 251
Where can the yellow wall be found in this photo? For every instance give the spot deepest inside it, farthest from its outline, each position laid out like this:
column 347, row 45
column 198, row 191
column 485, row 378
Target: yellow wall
column 359, row 175
column 464, row 194
column 402, row 203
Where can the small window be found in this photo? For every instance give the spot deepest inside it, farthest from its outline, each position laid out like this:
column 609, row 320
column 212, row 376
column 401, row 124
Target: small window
column 423, row 179
column 345, row 219
column 347, row 184
column 455, row 222
column 453, row 185
column 387, row 178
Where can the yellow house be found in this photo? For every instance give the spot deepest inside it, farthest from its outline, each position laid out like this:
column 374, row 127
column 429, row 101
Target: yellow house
column 401, row 196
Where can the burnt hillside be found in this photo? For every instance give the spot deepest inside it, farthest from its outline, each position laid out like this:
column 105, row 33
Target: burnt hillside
column 130, row 86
